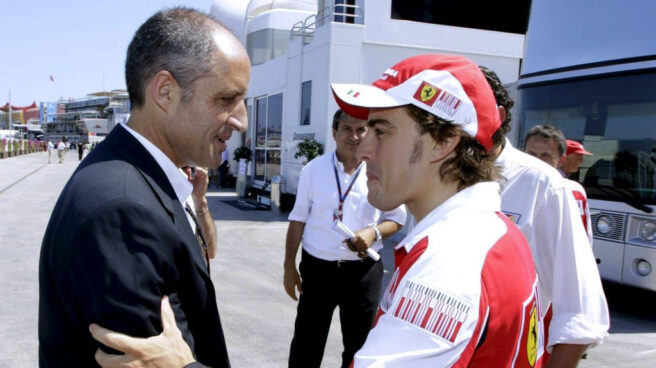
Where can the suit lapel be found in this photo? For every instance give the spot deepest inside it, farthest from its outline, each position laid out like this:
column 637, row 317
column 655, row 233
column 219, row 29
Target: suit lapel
column 134, row 152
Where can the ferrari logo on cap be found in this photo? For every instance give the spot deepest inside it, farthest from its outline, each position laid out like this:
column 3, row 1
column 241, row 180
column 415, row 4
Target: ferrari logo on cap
column 426, row 93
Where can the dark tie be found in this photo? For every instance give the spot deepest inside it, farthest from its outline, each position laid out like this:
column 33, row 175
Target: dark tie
column 199, row 236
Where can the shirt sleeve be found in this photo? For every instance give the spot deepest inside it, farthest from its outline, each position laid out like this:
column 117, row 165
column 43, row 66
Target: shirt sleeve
column 303, row 202
column 580, row 311
column 397, row 215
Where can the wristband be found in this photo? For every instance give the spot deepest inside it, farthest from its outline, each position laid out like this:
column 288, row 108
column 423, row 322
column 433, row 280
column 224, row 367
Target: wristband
column 378, row 235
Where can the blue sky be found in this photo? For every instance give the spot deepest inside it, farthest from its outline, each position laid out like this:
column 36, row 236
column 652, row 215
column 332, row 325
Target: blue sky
column 81, row 43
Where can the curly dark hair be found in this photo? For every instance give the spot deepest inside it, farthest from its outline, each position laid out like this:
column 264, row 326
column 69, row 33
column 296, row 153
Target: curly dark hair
column 470, row 164
column 503, row 99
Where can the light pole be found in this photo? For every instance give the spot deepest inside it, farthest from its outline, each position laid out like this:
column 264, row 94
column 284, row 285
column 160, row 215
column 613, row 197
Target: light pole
column 11, row 125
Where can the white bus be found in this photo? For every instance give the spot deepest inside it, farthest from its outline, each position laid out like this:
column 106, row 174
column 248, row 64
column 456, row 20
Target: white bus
column 590, row 70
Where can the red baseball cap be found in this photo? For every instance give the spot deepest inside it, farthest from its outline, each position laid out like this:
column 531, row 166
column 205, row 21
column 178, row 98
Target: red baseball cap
column 576, row 147
column 449, row 86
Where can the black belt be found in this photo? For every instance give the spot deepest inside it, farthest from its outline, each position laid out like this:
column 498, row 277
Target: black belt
column 343, row 263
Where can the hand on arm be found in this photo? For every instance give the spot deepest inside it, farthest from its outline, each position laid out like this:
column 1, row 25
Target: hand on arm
column 167, row 349
column 291, row 277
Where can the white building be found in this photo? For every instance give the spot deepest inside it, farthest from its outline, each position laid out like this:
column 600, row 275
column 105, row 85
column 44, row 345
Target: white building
column 297, row 48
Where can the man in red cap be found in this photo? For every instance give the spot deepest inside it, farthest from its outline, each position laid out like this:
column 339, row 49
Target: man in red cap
column 573, row 158
column 537, row 199
column 464, row 292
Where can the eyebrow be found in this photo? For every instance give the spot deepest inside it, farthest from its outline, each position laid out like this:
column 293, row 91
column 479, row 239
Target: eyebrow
column 375, row 122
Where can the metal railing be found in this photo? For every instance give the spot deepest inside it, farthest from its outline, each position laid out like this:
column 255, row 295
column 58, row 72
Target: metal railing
column 305, row 28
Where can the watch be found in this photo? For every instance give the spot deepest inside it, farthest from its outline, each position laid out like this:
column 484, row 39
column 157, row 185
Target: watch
column 378, row 235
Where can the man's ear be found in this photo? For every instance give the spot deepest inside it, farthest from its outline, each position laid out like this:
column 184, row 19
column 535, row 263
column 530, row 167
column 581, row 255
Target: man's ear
column 502, row 113
column 441, row 150
column 163, row 90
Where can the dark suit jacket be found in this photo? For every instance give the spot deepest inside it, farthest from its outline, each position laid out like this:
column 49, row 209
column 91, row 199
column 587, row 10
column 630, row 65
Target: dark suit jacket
column 117, row 241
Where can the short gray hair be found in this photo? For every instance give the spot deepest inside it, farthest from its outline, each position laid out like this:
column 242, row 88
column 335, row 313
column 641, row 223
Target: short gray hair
column 178, row 40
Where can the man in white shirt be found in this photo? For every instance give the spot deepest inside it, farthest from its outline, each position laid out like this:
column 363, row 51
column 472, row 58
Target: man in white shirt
column 51, row 147
column 464, row 292
column 61, row 148
column 536, row 198
column 548, row 144
column 334, row 187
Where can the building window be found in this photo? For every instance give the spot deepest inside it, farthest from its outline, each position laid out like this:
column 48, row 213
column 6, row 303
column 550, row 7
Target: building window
column 268, row 135
column 306, row 102
column 502, row 16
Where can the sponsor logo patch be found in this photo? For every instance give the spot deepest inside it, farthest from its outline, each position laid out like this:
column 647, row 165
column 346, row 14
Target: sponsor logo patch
column 431, row 310
column 447, row 103
column 514, row 217
column 427, row 93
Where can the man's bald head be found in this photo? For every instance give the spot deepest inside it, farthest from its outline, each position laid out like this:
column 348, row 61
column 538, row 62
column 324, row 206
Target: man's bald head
column 182, row 41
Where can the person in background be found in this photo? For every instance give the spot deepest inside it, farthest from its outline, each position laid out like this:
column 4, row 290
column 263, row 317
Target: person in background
column 332, row 273
column 61, row 149
column 573, row 158
column 51, row 147
column 548, row 144
column 536, row 198
column 223, row 170
column 80, row 150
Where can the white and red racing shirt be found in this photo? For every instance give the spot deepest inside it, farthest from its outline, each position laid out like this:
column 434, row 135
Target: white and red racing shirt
column 582, row 201
column 535, row 197
column 464, row 295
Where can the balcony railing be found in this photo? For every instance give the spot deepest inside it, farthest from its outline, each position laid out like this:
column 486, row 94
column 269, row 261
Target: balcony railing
column 340, row 13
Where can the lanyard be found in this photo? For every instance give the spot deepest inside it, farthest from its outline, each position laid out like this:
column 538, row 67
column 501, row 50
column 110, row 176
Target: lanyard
column 338, row 215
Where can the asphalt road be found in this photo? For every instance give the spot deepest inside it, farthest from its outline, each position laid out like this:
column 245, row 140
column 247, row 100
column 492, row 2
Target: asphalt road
column 257, row 315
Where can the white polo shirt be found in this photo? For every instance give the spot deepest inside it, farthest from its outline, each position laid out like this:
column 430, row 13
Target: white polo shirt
column 317, row 199
column 536, row 198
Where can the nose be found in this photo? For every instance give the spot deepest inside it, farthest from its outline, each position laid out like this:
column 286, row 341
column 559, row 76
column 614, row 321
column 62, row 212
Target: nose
column 238, row 120
column 366, row 148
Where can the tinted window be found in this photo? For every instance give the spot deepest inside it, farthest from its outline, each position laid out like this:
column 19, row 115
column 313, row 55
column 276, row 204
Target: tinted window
column 306, row 102
column 503, row 16
column 615, row 119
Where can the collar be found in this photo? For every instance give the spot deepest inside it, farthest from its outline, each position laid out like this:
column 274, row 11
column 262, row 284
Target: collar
column 181, row 186
column 340, row 165
column 480, row 197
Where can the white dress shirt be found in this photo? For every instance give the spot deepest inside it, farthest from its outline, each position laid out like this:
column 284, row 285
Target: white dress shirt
column 536, row 198
column 317, row 199
column 178, row 179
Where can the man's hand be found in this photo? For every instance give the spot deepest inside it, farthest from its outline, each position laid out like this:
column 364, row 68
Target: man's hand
column 364, row 238
column 199, row 181
column 292, row 281
column 165, row 350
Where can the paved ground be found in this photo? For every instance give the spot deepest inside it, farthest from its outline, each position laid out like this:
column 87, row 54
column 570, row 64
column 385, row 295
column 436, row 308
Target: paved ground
column 257, row 315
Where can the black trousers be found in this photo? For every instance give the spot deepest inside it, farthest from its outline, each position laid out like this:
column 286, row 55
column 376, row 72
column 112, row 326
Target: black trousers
column 354, row 286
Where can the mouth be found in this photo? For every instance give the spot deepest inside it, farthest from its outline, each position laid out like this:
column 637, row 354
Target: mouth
column 372, row 177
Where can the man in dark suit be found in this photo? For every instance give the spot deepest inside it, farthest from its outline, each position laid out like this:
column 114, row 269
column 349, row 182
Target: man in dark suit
column 120, row 237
